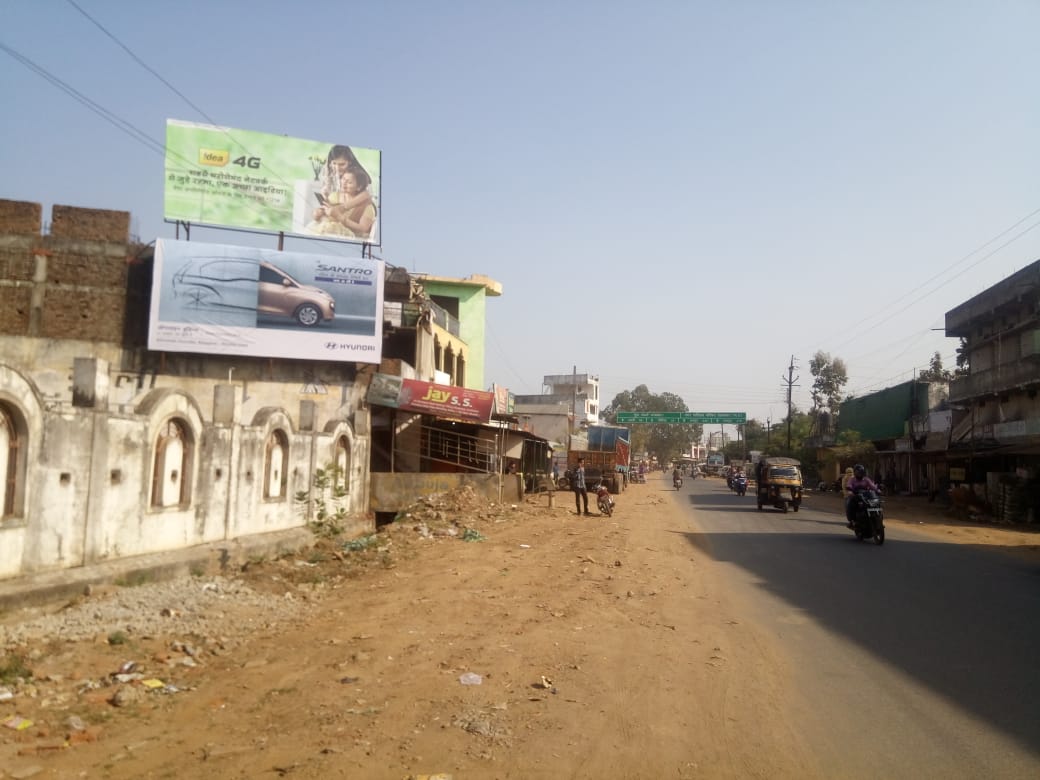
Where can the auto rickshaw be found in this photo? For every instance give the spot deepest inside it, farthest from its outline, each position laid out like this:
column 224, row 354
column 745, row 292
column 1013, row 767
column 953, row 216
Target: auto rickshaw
column 779, row 483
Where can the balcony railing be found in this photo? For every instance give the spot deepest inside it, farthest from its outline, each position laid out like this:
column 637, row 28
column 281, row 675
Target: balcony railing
column 405, row 315
column 568, row 380
column 401, row 315
column 444, row 320
column 996, row 380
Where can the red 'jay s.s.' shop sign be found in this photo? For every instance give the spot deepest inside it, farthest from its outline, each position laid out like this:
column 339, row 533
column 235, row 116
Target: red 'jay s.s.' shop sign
column 445, row 400
column 414, row 395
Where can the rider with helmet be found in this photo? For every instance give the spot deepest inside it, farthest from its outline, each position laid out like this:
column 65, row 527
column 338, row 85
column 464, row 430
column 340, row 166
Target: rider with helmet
column 859, row 481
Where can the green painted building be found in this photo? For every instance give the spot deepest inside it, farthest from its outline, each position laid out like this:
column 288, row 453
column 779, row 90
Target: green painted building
column 886, row 414
column 465, row 303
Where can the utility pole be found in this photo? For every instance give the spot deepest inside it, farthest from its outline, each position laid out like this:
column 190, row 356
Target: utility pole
column 791, row 382
column 574, row 395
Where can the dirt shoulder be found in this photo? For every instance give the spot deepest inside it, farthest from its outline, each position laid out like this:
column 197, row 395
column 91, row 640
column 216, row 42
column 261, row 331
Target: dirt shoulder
column 604, row 648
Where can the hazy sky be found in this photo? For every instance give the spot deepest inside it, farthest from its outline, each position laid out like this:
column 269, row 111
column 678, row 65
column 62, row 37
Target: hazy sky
column 677, row 194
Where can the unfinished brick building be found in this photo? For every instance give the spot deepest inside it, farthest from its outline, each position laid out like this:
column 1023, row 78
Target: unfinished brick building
column 108, row 449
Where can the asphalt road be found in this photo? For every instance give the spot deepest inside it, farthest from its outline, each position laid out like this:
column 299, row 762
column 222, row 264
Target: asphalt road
column 915, row 659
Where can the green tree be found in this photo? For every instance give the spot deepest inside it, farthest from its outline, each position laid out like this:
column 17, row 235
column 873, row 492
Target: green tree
column 755, row 436
column 963, row 359
column 667, row 441
column 935, row 371
column 800, row 425
column 750, row 436
column 829, row 379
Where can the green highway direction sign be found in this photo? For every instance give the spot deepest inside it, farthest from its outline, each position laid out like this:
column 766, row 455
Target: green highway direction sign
column 723, row 418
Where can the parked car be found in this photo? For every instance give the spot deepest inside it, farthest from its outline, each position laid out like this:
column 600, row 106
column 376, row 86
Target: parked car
column 256, row 285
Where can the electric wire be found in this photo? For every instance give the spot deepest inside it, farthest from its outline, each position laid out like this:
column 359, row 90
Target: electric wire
column 145, row 139
column 501, row 354
column 134, row 132
column 164, row 81
column 958, row 275
column 869, row 385
column 123, row 125
column 139, row 61
column 883, row 312
column 911, row 341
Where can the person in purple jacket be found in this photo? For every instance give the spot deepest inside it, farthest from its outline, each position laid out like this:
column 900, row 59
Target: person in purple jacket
column 859, row 481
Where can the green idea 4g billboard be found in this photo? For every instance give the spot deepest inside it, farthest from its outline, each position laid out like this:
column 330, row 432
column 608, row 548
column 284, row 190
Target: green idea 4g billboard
column 257, row 181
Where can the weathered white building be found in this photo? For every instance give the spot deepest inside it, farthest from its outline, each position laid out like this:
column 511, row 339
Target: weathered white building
column 109, row 450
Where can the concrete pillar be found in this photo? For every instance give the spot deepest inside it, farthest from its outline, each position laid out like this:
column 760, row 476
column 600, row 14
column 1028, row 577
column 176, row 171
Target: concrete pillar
column 89, row 382
column 227, row 404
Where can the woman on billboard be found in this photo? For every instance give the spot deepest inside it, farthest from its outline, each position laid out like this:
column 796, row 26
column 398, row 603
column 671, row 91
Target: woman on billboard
column 346, row 203
column 347, row 212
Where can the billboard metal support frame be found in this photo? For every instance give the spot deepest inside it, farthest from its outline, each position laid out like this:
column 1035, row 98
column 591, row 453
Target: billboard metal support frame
column 366, row 248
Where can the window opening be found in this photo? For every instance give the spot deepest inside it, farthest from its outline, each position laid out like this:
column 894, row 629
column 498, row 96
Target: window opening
column 171, row 476
column 342, row 464
column 11, row 465
column 276, row 456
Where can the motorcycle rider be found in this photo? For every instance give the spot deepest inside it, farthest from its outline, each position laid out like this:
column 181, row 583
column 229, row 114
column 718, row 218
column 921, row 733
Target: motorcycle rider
column 676, row 476
column 858, row 481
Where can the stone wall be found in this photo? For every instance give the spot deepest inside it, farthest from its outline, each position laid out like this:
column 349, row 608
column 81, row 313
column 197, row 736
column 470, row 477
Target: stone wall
column 86, row 400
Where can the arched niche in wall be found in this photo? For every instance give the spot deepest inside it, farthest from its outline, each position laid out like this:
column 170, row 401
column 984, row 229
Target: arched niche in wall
column 343, row 453
column 276, row 432
column 21, row 430
column 174, row 431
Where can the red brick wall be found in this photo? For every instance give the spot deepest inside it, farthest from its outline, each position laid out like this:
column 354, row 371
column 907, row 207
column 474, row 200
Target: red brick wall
column 20, row 218
column 71, row 284
column 14, row 309
column 90, row 224
column 87, row 314
column 83, row 264
column 16, row 259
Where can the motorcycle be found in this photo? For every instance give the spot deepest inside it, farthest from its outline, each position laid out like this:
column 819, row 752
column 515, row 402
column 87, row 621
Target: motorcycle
column 677, row 481
column 604, row 501
column 868, row 517
column 740, row 484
